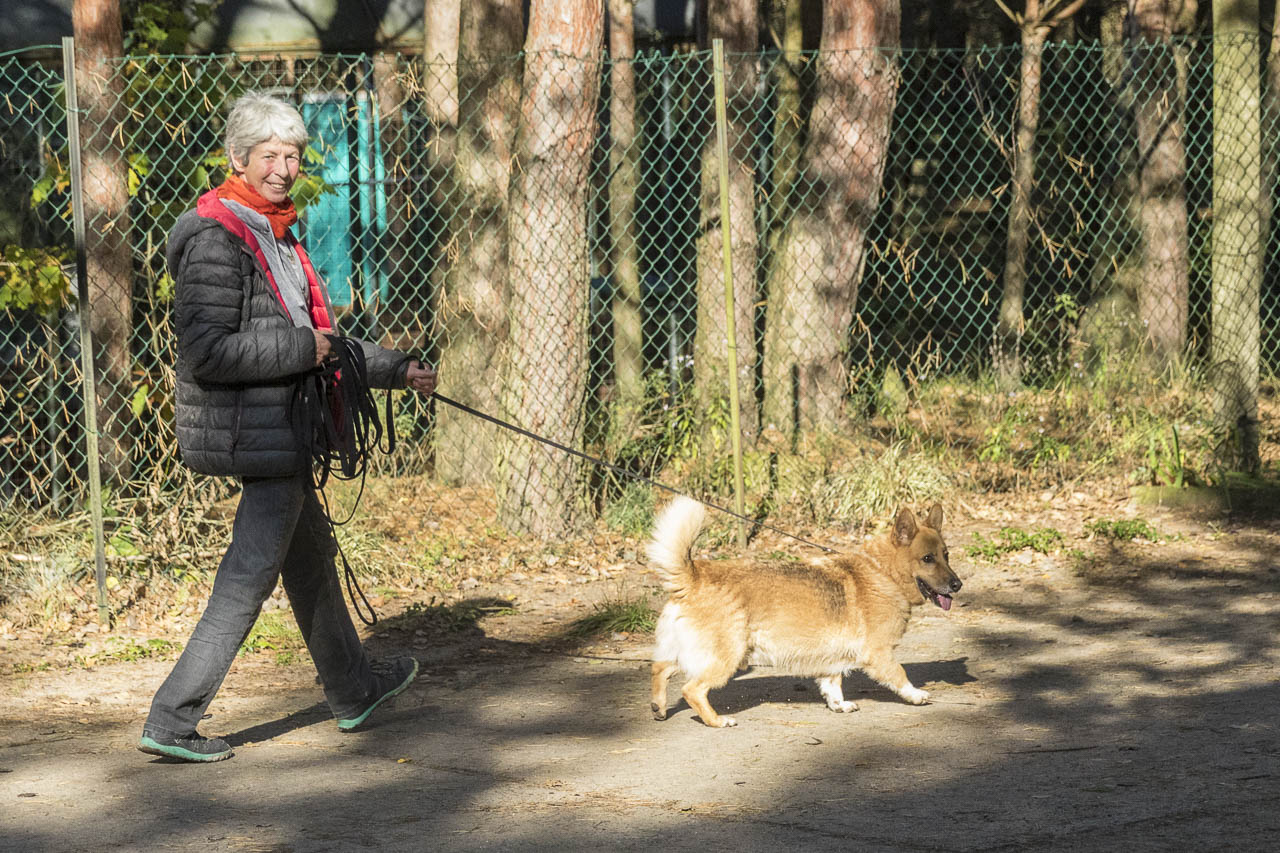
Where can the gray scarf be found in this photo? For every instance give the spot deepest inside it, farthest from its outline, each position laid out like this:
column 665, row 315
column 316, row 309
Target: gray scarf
column 286, row 267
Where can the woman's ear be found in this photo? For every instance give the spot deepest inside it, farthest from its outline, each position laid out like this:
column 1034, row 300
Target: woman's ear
column 234, row 163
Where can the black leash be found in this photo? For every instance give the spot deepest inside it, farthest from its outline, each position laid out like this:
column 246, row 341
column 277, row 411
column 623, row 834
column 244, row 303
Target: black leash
column 621, row 471
column 338, row 421
column 337, row 418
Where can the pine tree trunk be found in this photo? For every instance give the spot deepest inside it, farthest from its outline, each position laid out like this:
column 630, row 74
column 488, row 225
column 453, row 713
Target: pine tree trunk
column 1237, row 232
column 1007, row 350
column 441, row 19
column 399, row 309
column 539, row 490
column 473, row 309
column 1161, row 199
column 815, row 287
column 787, row 138
column 100, row 89
column 624, row 163
column 735, row 22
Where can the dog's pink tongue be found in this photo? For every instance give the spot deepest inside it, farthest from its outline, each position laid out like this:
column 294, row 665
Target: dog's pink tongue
column 944, row 601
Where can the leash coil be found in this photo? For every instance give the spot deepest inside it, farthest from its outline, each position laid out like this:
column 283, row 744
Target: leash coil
column 338, row 425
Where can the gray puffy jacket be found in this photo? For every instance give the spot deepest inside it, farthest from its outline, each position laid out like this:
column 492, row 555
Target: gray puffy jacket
column 240, row 356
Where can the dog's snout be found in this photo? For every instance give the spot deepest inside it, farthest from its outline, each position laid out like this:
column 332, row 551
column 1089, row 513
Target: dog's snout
column 956, row 584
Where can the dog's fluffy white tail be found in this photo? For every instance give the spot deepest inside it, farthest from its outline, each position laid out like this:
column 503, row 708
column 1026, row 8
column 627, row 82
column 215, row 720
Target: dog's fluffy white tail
column 674, row 531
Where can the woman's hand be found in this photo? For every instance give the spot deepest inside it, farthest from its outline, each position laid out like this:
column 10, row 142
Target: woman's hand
column 323, row 347
column 421, row 377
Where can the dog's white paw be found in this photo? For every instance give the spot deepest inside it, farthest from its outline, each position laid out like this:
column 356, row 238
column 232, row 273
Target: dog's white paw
column 844, row 706
column 727, row 722
column 915, row 695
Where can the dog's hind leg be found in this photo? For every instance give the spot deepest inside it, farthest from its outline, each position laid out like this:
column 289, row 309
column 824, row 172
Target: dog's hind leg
column 662, row 672
column 716, row 672
column 695, row 693
column 830, row 687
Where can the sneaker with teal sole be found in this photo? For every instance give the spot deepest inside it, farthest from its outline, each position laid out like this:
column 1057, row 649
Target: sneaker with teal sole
column 393, row 678
column 194, row 747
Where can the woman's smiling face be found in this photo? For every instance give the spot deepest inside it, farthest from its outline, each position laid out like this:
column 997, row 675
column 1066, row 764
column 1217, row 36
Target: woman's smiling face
column 271, row 168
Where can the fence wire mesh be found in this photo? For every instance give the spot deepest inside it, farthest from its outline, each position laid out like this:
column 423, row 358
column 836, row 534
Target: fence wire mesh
column 548, row 232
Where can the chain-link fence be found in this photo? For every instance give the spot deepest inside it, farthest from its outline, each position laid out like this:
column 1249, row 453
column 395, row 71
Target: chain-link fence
column 926, row 212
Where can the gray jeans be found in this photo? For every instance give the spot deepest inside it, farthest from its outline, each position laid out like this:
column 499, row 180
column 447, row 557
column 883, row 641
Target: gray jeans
column 279, row 532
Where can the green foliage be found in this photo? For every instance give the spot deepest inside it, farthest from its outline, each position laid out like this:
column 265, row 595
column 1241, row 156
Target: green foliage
column 129, row 651
column 622, row 615
column 274, row 631
column 26, row 668
column 122, row 544
column 837, row 487
column 1164, row 461
column 54, row 183
column 1010, row 539
column 438, row 554
column 161, row 28
column 34, row 278
column 1123, row 529
column 310, row 186
column 632, row 512
column 458, row 616
column 998, row 443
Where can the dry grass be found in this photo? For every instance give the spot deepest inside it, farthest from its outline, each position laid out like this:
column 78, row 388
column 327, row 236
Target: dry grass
column 413, row 537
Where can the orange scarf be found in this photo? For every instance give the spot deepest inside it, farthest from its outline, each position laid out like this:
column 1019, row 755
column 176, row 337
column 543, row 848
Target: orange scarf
column 281, row 215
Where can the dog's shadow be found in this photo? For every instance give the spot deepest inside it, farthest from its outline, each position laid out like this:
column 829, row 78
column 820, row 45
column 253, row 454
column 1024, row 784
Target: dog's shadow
column 754, row 687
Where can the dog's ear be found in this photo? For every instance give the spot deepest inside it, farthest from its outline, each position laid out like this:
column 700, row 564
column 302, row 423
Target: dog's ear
column 904, row 528
column 935, row 517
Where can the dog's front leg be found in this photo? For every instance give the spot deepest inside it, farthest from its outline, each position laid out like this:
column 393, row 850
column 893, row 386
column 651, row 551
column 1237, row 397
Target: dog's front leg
column 830, row 688
column 884, row 669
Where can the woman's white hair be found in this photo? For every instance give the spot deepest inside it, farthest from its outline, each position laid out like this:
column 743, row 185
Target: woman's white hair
column 257, row 117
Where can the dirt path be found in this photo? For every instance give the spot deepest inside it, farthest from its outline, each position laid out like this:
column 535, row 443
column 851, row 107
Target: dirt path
column 1129, row 704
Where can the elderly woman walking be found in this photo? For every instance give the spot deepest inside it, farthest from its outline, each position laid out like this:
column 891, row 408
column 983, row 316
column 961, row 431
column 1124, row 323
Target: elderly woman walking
column 251, row 316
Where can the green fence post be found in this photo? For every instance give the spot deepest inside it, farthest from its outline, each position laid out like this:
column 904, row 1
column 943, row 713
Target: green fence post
column 86, row 334
column 722, row 152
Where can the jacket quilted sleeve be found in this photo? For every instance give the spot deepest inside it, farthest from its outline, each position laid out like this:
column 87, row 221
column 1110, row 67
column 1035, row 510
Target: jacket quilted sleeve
column 219, row 339
column 387, row 367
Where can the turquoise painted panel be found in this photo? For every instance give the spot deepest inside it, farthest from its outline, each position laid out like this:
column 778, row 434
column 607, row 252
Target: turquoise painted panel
column 327, row 221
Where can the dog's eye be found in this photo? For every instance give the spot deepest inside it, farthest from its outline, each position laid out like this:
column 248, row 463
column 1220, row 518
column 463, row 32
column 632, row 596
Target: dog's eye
column 927, row 558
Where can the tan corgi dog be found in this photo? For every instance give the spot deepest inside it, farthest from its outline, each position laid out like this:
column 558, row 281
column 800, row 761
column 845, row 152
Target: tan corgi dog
column 818, row 617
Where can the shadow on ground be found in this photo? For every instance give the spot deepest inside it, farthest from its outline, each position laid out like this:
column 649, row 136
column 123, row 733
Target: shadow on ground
column 1126, row 706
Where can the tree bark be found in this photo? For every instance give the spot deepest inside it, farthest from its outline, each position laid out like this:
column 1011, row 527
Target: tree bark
column 539, row 491
column 1007, row 349
column 100, row 89
column 441, row 20
column 399, row 315
column 814, row 291
column 624, row 163
column 735, row 22
column 787, row 138
column 1238, row 239
column 473, row 309
column 1161, row 199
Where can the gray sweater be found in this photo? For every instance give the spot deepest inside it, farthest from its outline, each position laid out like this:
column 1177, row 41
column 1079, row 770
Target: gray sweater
column 286, row 268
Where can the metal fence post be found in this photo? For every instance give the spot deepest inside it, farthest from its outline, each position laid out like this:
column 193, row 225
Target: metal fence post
column 722, row 152
column 86, row 333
